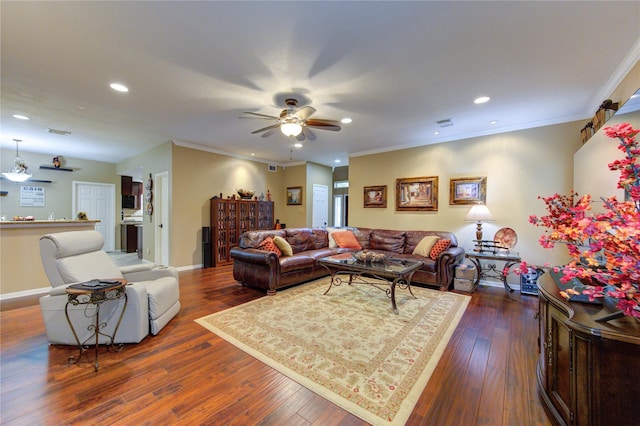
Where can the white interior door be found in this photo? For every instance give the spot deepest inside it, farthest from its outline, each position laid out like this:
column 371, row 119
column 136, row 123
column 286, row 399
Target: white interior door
column 98, row 201
column 320, row 212
column 161, row 217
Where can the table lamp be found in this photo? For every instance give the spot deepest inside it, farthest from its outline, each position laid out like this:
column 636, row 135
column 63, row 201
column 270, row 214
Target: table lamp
column 479, row 213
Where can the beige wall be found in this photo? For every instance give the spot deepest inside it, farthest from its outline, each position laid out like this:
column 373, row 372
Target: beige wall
column 58, row 193
column 197, row 176
column 591, row 174
column 294, row 216
column 519, row 166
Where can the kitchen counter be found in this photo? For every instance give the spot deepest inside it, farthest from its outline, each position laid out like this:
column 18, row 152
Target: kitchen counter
column 21, row 270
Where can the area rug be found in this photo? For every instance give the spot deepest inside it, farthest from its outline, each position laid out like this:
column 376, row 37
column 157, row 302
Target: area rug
column 348, row 346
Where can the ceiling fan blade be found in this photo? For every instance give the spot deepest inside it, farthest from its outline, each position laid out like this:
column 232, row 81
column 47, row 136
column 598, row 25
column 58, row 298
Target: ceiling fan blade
column 301, row 136
column 303, row 113
column 308, row 133
column 257, row 114
column 269, row 133
column 273, row 126
column 324, row 125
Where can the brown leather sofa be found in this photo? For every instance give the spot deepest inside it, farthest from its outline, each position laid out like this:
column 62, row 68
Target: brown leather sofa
column 263, row 269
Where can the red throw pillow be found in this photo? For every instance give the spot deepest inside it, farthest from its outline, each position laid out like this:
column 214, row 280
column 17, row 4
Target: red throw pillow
column 439, row 247
column 346, row 239
column 268, row 245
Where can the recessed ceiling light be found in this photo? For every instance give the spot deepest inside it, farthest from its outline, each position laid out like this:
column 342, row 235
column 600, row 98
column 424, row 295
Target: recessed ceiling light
column 436, row 132
column 253, row 154
column 481, row 100
column 337, row 161
column 346, row 120
column 297, row 145
column 119, row 87
column 21, row 117
column 493, row 121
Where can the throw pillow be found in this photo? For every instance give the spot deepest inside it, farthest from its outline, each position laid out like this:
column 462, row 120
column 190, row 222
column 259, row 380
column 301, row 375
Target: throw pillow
column 268, row 245
column 283, row 245
column 332, row 242
column 439, row 247
column 346, row 239
column 425, row 245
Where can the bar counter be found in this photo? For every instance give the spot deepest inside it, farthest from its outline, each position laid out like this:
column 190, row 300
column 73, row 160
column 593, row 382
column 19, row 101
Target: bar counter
column 21, row 271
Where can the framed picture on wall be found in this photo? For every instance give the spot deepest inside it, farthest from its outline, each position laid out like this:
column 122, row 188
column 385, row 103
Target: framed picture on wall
column 471, row 190
column 417, row 194
column 375, row 196
column 294, row 195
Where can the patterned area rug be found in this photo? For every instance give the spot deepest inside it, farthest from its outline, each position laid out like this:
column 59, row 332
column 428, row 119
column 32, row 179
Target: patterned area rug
column 348, row 346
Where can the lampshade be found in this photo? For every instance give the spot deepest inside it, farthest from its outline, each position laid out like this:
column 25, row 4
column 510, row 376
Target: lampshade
column 19, row 172
column 479, row 213
column 291, row 129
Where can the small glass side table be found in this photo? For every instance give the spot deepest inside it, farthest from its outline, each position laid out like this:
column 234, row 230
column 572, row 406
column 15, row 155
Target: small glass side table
column 95, row 296
column 491, row 270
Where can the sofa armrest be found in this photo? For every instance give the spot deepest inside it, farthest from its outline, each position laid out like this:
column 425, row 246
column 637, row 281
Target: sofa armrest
column 256, row 256
column 447, row 261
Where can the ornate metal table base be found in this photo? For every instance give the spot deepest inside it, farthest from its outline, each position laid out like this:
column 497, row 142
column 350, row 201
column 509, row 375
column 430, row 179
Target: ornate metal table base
column 96, row 298
column 491, row 270
column 390, row 289
column 393, row 272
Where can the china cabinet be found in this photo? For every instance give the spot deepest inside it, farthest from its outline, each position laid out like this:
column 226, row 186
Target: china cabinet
column 230, row 218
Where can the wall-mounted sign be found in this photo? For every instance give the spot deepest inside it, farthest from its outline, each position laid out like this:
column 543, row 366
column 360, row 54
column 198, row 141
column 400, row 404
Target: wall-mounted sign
column 32, row 196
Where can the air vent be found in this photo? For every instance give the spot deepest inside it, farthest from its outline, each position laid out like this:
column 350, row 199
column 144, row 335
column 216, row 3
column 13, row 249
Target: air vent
column 273, row 168
column 445, row 123
column 59, row 132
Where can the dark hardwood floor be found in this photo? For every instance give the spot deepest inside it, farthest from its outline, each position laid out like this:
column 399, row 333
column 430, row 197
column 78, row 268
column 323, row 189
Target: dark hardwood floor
column 187, row 375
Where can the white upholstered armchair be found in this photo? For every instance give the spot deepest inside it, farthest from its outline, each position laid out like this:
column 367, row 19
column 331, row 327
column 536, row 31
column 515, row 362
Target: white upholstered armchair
column 77, row 256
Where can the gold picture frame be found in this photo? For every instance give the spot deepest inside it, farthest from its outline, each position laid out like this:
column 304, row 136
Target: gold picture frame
column 294, row 195
column 468, row 190
column 375, row 197
column 417, row 194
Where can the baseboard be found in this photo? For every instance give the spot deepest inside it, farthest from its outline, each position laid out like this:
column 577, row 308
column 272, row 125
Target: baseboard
column 20, row 299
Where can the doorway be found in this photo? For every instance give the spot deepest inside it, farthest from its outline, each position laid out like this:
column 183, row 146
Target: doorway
column 161, row 218
column 98, row 201
column 320, row 212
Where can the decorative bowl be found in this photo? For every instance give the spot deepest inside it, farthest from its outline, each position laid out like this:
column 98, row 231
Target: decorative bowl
column 245, row 194
column 370, row 256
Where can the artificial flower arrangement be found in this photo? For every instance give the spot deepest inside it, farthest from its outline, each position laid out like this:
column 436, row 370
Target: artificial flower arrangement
column 604, row 247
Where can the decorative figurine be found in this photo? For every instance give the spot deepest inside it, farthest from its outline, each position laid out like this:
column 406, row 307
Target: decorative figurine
column 56, row 162
column 268, row 195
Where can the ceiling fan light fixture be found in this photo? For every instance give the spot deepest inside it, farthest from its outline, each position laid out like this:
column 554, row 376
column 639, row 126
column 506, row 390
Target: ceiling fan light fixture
column 291, row 129
column 19, row 172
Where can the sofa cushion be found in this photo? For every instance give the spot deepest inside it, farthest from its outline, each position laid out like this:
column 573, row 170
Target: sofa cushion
column 283, row 245
column 320, row 238
column 296, row 263
column 362, row 235
column 346, row 239
column 332, row 242
column 300, row 240
column 425, row 245
column 268, row 245
column 387, row 240
column 440, row 246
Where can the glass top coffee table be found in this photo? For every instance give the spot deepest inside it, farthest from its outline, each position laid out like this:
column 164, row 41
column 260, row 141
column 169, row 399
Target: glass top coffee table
column 394, row 272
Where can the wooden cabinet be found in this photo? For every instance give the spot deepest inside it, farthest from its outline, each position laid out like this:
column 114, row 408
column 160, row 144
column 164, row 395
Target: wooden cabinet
column 129, row 240
column 587, row 370
column 230, row 218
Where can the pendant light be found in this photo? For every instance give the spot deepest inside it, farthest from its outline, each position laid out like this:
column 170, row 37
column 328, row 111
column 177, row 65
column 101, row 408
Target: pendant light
column 19, row 172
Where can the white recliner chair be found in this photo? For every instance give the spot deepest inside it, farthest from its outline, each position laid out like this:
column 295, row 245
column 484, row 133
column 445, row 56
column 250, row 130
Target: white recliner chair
column 71, row 257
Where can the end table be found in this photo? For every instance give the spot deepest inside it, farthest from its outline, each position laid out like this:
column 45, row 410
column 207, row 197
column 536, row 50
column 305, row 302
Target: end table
column 491, row 271
column 96, row 296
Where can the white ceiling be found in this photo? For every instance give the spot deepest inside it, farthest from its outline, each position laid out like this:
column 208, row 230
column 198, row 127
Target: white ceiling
column 395, row 68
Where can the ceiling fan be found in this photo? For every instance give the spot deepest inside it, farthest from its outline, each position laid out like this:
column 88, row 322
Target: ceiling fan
column 295, row 122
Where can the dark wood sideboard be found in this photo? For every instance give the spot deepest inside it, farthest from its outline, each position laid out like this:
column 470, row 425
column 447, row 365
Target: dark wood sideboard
column 588, row 371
